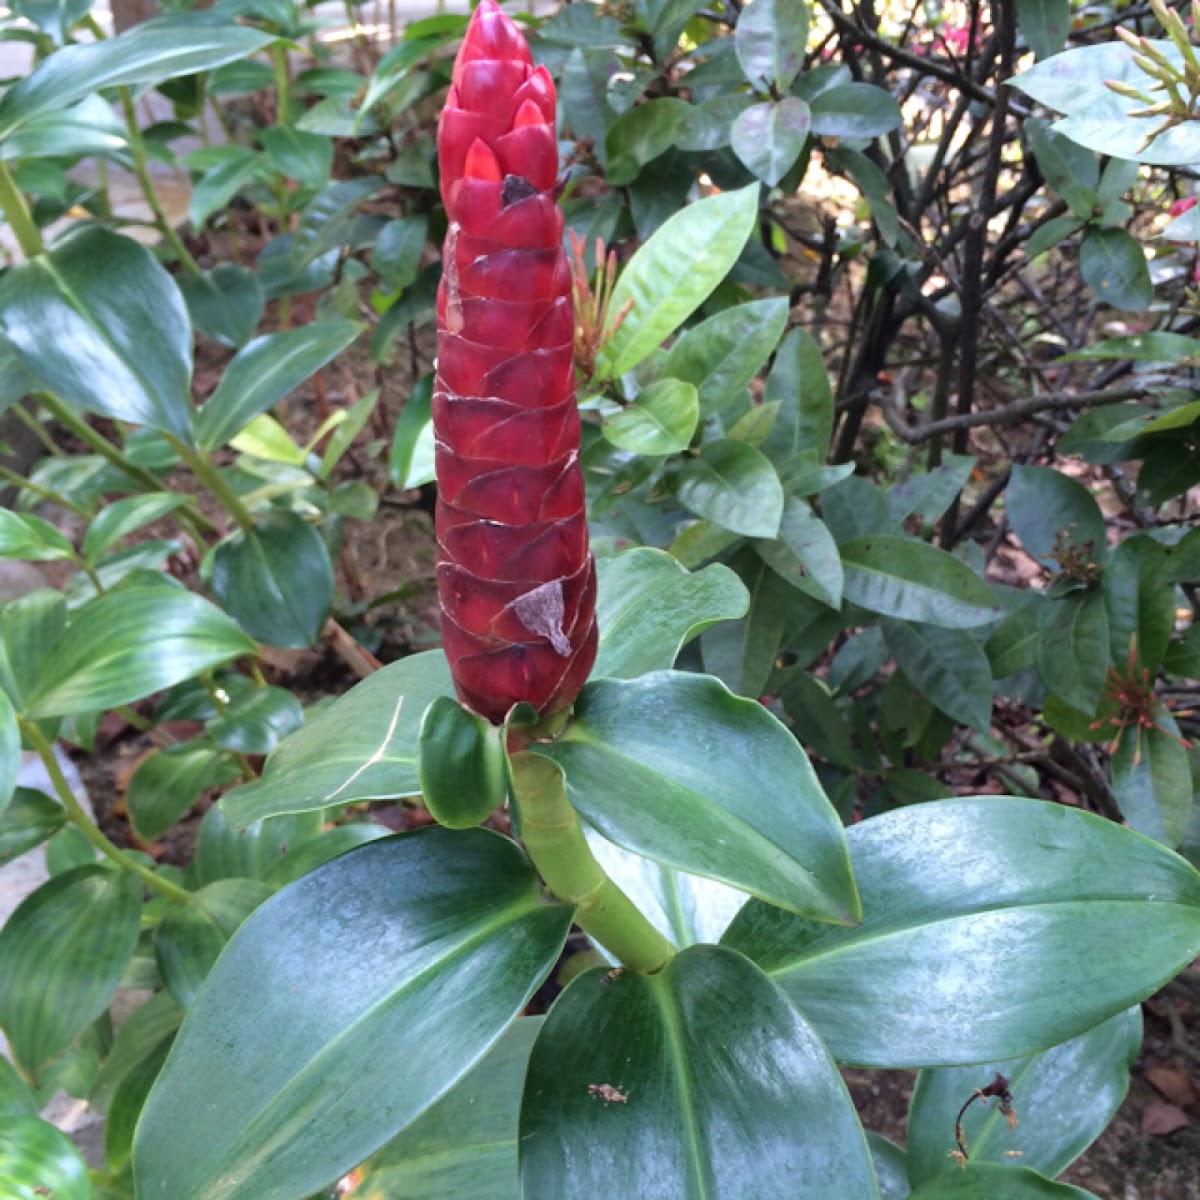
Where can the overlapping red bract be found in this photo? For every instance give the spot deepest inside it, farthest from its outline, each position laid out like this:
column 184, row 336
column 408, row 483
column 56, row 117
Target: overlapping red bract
column 516, row 580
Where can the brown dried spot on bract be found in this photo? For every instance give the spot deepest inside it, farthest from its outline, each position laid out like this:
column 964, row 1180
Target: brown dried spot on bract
column 608, row 1093
column 612, row 976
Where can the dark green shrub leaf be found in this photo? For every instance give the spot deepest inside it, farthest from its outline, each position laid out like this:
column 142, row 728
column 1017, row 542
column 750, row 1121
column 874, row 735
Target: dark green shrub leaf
column 947, row 666
column 805, row 554
column 130, row 644
column 1113, row 264
column 305, row 157
column 216, row 188
column 71, row 940
column 225, row 303
column 641, row 135
column 733, row 485
column 1152, row 780
column 256, row 723
column 1140, row 601
column 660, row 421
column 459, row 939
column 987, row 1181
column 769, row 136
column 718, row 1106
column 363, row 746
column 1074, row 918
column 770, row 42
column 1072, row 648
column 1050, row 512
column 225, row 851
column 674, row 767
column 165, row 785
column 854, row 110
column 1044, row 24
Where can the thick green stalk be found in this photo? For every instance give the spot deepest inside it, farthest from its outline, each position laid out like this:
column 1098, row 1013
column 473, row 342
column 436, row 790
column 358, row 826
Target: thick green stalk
column 85, row 825
column 137, row 145
column 17, row 214
column 201, row 466
column 553, row 836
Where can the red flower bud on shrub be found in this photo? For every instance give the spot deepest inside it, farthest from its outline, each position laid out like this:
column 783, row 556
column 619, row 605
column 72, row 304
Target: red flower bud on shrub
column 516, row 579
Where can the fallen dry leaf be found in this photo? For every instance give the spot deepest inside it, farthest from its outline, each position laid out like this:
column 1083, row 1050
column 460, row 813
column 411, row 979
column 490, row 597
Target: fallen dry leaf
column 1173, row 1083
column 1159, row 1119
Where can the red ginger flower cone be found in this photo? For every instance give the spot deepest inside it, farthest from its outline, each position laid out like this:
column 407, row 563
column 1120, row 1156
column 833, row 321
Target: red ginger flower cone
column 515, row 577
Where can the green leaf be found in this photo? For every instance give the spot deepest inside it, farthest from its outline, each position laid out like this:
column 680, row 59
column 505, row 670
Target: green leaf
column 256, row 723
column 216, row 188
column 27, row 820
column 461, row 764
column 1070, row 170
column 81, row 131
column 1113, row 264
column 947, row 666
column 800, row 384
column 1049, row 510
column 298, row 1006
column 263, row 372
column 16, row 1096
column 1052, row 234
column 70, row 940
column 38, row 1160
column 396, row 258
column 152, row 51
column 1152, row 780
column 326, row 218
column 191, row 937
column 1072, row 648
column 805, row 554
column 225, row 303
column 1093, row 1069
column 675, row 767
column 298, row 860
column 465, row 1146
column 648, row 607
column 660, row 421
column 121, row 343
column 165, row 785
column 1139, row 347
column 768, row 137
column 1069, row 917
column 891, row 1168
column 1140, row 601
column 54, row 17
column 770, row 42
column 854, row 110
column 123, row 517
column 988, row 1181
column 716, row 1105
column 928, row 495
column 640, row 135
column 733, row 485
column 721, row 355
column 276, row 579
column 31, row 539
column 905, row 578
column 142, row 1032
column 363, row 746
column 1044, row 24
column 674, row 273
column 305, row 157
column 224, row 851
column 131, row 643
column 410, row 463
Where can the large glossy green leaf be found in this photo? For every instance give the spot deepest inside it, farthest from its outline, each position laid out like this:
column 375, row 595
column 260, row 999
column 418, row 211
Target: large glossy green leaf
column 947, row 666
column 1072, row 648
column 226, row 851
column 675, row 767
column 902, row 577
column 721, row 355
column 675, row 272
column 988, row 1181
column 37, row 1160
column 641, row 134
column 169, row 781
column 363, row 746
column 1113, row 264
column 1093, row 1069
column 1050, row 511
column 1152, row 780
column 28, row 820
column 704, row 1082
column 263, row 372
column 1141, row 610
column 769, row 136
column 461, row 764
column 660, row 421
column 162, row 48
column 799, row 383
column 1059, row 918
column 99, row 322
column 87, row 129
column 770, row 41
column 805, row 554
column 733, row 485
column 69, row 941
column 648, row 607
column 131, row 643
column 465, row 1146
column 425, row 945
column 276, row 579
column 257, row 722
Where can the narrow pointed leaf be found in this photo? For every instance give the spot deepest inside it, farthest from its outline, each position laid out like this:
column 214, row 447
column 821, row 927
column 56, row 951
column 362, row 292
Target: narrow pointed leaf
column 71, row 940
column 123, row 517
column 99, row 322
column 363, row 746
column 263, row 372
column 130, row 644
column 1152, row 781
column 947, row 666
column 428, row 944
column 649, row 607
column 675, row 767
column 1062, row 919
column 706, row 1081
column 805, row 554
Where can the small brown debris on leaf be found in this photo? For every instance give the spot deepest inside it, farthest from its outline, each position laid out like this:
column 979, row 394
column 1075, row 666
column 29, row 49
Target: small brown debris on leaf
column 1159, row 1119
column 608, row 1093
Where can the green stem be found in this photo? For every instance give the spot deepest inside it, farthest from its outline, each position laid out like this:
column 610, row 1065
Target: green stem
column 201, row 466
column 553, row 836
column 137, row 145
column 25, row 484
column 283, row 84
column 85, row 825
column 87, row 568
column 17, row 214
column 38, row 430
